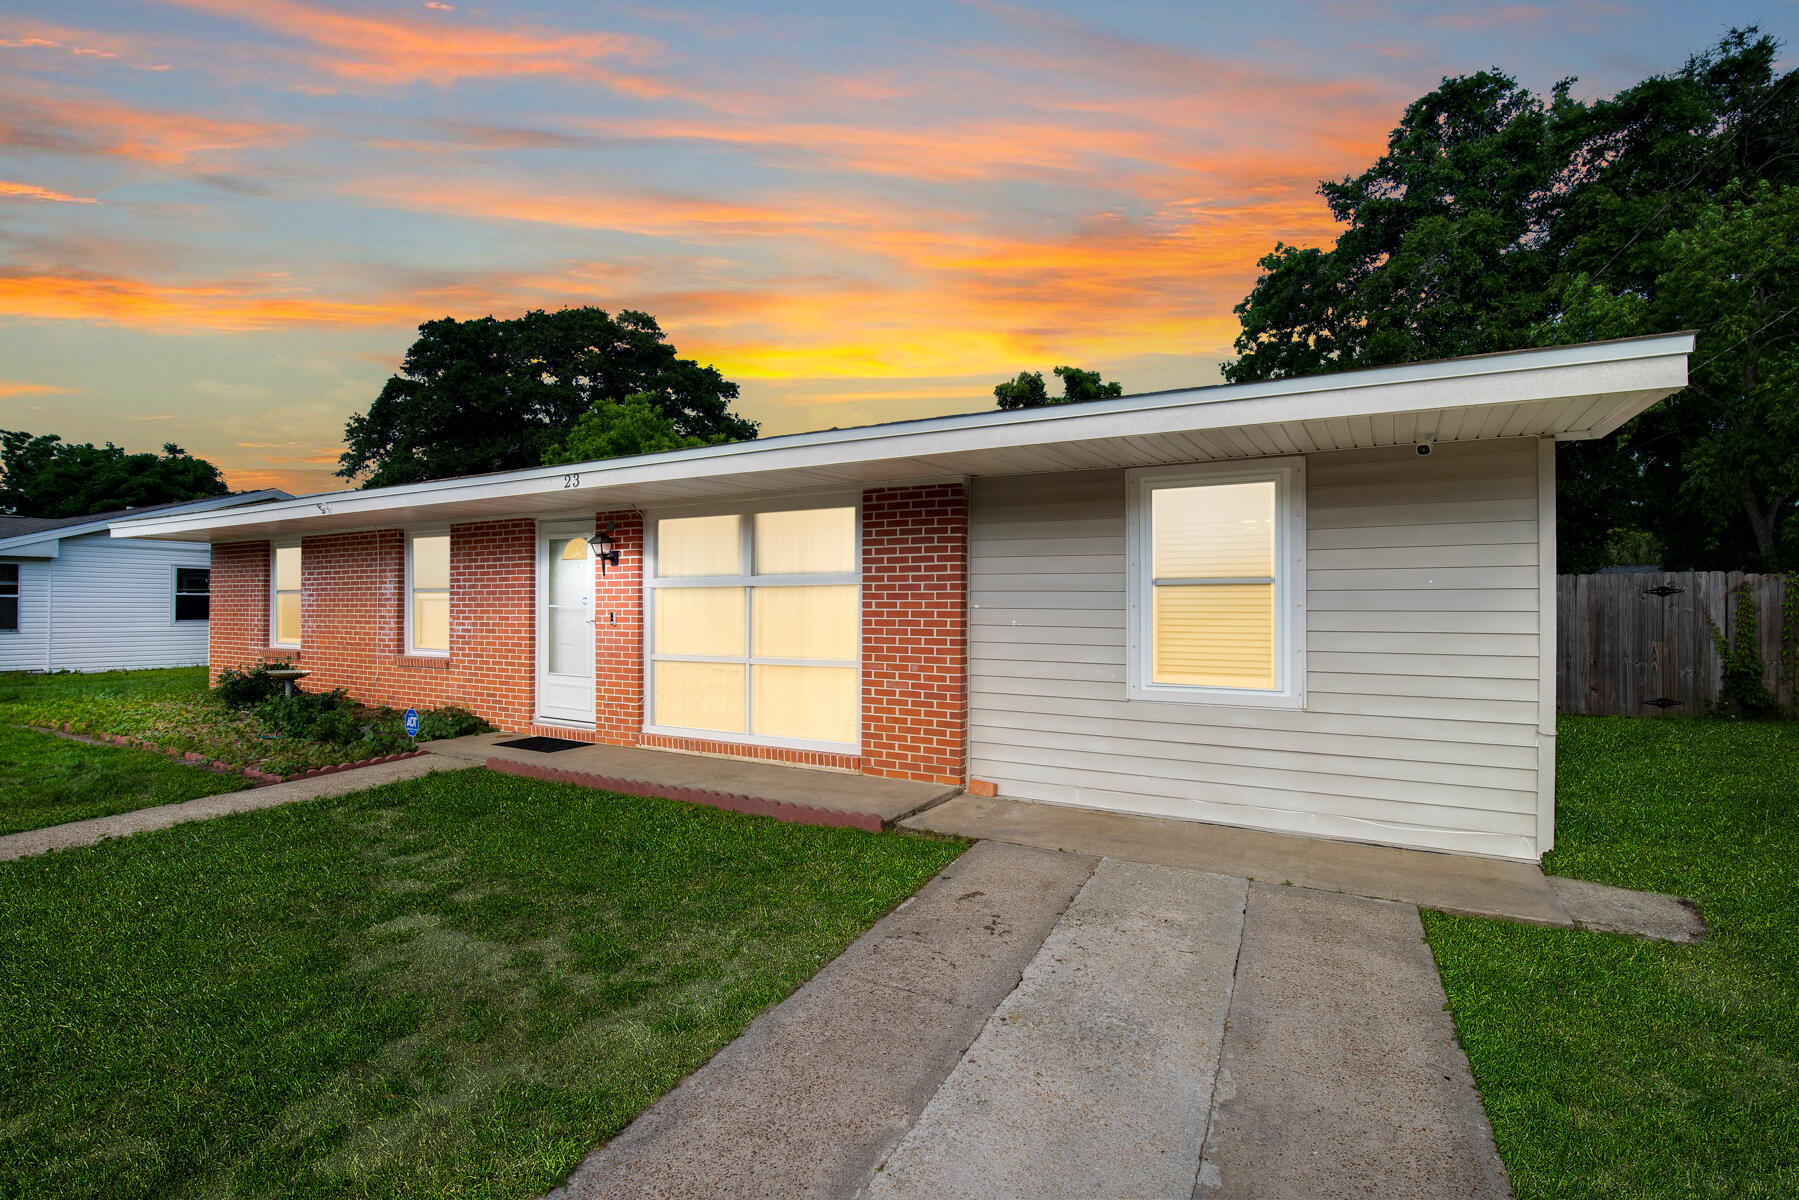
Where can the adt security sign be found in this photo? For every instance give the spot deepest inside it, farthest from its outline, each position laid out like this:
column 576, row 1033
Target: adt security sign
column 412, row 722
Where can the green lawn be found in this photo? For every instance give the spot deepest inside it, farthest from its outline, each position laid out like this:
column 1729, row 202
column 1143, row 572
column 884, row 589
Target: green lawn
column 1617, row 1067
column 451, row 986
column 46, row 780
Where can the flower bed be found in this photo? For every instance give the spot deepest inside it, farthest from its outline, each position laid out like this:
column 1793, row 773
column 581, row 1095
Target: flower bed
column 172, row 713
column 256, row 776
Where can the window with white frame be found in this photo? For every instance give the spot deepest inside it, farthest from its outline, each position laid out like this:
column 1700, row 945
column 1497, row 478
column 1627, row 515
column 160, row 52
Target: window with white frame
column 193, row 593
column 756, row 626
column 428, row 593
column 9, row 597
column 1217, row 583
column 284, row 603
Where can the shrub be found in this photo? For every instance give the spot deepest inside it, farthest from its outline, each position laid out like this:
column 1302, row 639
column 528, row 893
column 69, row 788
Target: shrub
column 449, row 722
column 245, row 689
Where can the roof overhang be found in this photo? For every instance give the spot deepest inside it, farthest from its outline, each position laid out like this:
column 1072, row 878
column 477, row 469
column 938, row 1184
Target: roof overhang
column 1563, row 392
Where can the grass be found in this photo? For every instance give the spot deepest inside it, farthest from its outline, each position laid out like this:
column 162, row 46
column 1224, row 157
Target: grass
column 1617, row 1067
column 451, row 986
column 46, row 780
column 169, row 707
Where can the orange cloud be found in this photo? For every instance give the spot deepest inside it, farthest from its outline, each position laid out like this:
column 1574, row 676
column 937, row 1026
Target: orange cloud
column 30, row 191
column 233, row 306
column 75, row 125
column 394, row 50
column 9, row 388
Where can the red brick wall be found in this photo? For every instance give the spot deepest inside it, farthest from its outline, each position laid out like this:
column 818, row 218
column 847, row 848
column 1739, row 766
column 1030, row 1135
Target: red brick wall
column 493, row 643
column 914, row 629
column 239, row 629
column 618, row 632
column 915, row 632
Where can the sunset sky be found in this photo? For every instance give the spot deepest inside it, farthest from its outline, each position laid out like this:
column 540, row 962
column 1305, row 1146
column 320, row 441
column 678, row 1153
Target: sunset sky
column 221, row 221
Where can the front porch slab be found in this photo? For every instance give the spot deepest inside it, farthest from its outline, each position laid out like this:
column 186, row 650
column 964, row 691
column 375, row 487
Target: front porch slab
column 1452, row 883
column 805, row 794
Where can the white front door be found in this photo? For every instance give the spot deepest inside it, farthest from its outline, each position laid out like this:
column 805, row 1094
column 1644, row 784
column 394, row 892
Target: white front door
column 564, row 625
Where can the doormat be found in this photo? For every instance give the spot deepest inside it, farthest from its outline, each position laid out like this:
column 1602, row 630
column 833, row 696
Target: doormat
column 543, row 745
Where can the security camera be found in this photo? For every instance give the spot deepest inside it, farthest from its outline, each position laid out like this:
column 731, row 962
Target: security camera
column 1423, row 448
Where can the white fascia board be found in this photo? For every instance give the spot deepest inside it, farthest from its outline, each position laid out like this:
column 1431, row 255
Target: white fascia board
column 1646, row 365
column 28, row 546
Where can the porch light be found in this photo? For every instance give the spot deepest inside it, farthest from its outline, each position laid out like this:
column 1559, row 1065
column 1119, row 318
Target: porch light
column 602, row 539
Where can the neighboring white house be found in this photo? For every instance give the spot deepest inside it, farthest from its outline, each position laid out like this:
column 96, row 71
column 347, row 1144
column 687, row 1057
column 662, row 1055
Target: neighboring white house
column 73, row 598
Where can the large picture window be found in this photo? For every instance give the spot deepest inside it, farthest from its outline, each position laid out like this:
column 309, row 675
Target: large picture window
column 9, row 597
column 756, row 625
column 285, row 602
column 193, row 593
column 428, row 593
column 1217, row 583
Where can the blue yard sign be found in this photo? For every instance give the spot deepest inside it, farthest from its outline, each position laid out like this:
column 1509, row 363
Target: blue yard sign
column 412, row 722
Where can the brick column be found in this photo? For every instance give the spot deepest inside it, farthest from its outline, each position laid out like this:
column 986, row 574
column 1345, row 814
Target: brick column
column 238, row 632
column 618, row 632
column 493, row 644
column 915, row 632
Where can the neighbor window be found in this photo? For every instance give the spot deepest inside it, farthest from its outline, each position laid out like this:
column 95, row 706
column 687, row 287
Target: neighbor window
column 9, row 597
column 1216, row 563
column 756, row 623
column 428, row 593
column 193, row 593
column 286, row 606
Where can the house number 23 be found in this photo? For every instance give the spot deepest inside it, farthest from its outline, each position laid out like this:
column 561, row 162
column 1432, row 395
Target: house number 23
column 569, row 481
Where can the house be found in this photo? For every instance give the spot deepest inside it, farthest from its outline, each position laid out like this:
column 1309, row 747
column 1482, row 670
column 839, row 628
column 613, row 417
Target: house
column 74, row 599
column 1322, row 606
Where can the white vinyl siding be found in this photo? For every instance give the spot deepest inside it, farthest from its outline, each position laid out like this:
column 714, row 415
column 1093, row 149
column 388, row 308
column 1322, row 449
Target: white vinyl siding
column 105, row 604
column 1419, row 726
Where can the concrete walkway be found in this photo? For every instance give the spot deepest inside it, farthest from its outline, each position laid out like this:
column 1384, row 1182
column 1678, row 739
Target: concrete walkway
column 86, row 833
column 1172, row 1034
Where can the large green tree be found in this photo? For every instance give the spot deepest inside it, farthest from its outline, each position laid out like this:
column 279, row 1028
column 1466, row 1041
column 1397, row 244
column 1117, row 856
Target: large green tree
column 495, row 395
column 617, row 428
column 43, row 476
column 1499, row 219
column 1028, row 389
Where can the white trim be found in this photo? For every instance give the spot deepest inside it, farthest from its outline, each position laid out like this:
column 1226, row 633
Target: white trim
column 406, row 591
column 286, row 543
column 796, row 502
column 1638, row 371
column 1288, row 476
column 1547, row 650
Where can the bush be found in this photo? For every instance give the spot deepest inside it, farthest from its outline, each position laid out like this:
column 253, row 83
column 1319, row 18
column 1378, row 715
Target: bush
column 449, row 722
column 333, row 719
column 246, row 689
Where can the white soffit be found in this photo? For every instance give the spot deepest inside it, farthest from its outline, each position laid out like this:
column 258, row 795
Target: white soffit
column 1565, row 392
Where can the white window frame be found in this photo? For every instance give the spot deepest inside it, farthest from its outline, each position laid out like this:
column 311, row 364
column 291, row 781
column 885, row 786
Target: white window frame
column 175, row 593
column 17, row 583
column 275, row 594
column 1289, row 477
column 747, row 536
column 409, row 535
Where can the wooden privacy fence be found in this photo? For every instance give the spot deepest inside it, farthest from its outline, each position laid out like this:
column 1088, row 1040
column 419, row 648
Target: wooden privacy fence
column 1641, row 645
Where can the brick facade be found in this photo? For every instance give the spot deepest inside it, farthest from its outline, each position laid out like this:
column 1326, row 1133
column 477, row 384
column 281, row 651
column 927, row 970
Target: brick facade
column 914, row 630
column 238, row 633
column 618, row 633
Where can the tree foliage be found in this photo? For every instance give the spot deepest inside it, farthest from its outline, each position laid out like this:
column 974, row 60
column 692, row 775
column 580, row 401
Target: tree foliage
column 1499, row 219
column 1029, row 391
column 44, row 476
column 495, row 395
column 616, row 428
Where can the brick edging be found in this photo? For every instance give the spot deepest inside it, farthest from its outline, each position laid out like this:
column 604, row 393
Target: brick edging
column 780, row 810
column 218, row 766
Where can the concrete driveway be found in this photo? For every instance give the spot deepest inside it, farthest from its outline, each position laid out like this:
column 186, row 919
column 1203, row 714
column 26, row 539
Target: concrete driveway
column 1037, row 1024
